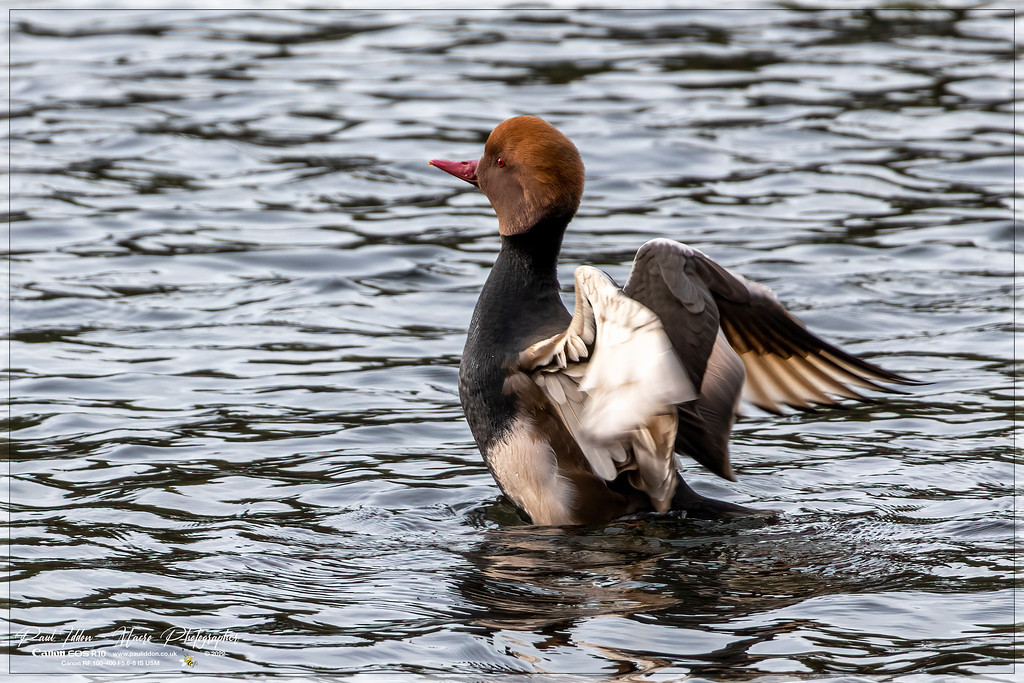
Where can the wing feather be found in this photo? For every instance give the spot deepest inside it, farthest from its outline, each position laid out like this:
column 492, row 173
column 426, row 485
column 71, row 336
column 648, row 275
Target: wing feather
column 613, row 379
column 786, row 365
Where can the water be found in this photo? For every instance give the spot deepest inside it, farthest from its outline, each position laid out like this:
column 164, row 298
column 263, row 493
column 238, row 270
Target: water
column 239, row 296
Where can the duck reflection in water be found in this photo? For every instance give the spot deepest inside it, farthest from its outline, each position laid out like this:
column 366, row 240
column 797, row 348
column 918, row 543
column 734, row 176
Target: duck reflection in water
column 539, row 592
column 579, row 416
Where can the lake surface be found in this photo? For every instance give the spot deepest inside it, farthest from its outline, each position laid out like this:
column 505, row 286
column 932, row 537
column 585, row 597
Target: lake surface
column 239, row 297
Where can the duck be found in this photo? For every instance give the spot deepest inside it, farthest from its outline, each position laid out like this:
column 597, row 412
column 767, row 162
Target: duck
column 580, row 417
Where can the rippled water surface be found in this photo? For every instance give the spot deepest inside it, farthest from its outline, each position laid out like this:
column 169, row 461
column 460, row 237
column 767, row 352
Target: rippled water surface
column 239, row 297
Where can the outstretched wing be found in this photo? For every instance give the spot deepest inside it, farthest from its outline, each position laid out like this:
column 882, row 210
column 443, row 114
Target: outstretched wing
column 614, row 380
column 704, row 308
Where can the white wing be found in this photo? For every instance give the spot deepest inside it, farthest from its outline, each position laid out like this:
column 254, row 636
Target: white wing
column 614, row 379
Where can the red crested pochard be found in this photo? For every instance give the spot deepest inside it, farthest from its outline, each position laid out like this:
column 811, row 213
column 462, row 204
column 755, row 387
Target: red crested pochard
column 579, row 416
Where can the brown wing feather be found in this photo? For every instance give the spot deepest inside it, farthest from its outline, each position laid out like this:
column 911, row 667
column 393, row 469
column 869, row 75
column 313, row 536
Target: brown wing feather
column 786, row 365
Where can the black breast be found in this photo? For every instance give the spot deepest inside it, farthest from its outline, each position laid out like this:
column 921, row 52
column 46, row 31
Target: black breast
column 519, row 305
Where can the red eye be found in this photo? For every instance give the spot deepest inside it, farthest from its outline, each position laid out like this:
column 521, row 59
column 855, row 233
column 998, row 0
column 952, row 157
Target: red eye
column 501, row 162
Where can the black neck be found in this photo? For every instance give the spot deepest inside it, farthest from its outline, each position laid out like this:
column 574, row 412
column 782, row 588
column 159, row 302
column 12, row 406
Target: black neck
column 534, row 254
column 520, row 304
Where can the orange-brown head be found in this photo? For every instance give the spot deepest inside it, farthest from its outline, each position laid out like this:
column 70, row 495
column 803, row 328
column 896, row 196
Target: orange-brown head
column 529, row 172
